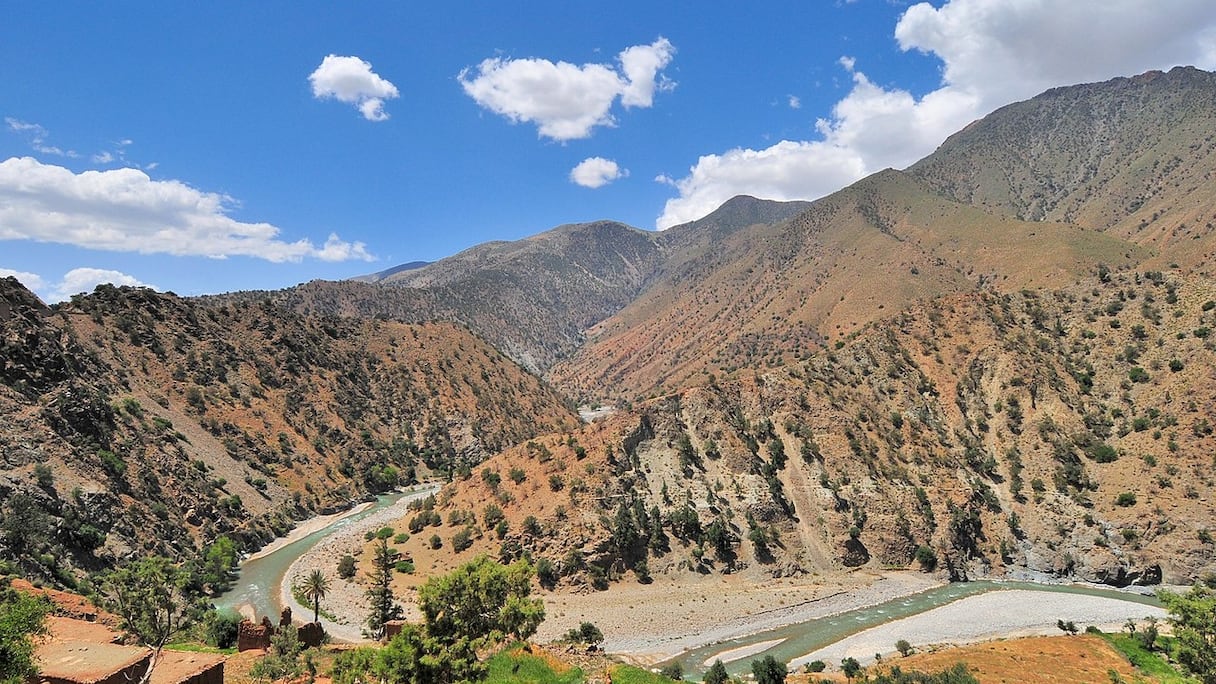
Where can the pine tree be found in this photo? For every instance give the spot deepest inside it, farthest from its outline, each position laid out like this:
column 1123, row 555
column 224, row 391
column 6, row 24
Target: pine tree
column 380, row 595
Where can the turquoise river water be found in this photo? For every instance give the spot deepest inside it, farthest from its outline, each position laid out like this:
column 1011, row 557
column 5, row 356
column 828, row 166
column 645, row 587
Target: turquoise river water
column 260, row 578
column 804, row 637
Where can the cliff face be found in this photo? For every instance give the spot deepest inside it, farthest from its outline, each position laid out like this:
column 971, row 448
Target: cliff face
column 138, row 422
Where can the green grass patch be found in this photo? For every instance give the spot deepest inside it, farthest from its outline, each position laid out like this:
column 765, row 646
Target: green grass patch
column 1151, row 663
column 514, row 666
column 627, row 674
column 195, row 647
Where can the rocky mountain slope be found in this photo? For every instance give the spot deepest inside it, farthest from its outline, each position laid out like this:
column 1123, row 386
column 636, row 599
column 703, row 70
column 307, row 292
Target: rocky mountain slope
column 1132, row 157
column 775, row 293
column 1067, row 431
column 996, row 359
column 534, row 298
column 138, row 422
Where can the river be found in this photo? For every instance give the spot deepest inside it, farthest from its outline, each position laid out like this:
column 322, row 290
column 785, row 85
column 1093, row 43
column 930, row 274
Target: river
column 790, row 642
column 260, row 577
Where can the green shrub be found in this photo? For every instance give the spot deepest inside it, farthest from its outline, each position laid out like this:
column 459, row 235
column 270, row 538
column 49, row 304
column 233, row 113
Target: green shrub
column 112, row 462
column 220, row 628
column 926, row 557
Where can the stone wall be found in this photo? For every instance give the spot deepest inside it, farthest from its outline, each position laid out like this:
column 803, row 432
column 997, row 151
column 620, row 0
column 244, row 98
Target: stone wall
column 252, row 637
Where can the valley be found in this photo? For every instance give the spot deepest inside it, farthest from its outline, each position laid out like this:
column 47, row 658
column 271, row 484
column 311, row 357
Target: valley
column 996, row 364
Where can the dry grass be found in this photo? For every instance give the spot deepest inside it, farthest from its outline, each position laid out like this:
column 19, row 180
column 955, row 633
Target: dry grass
column 1045, row 660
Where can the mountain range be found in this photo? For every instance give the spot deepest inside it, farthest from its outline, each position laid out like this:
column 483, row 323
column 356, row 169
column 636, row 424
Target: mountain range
column 993, row 361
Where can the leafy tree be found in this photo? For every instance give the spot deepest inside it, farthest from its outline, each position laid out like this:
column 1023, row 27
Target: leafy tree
column 474, row 606
column 346, row 567
column 769, row 670
column 673, row 671
column 1148, row 636
column 22, row 617
column 219, row 560
column 585, row 633
column 1067, row 626
column 1193, row 616
column 23, row 525
column 315, row 588
column 283, row 662
column 415, row 657
column 462, row 540
column 221, row 627
column 380, row 594
column 358, row 666
column 481, row 602
column 850, row 667
column 926, row 557
column 904, row 648
column 717, row 673
column 152, row 598
column 546, row 573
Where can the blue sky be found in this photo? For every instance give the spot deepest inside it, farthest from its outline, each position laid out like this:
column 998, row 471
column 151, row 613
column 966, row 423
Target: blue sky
column 207, row 147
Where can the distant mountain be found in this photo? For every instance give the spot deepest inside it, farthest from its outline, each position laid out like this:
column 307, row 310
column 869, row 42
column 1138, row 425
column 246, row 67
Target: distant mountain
column 1116, row 174
column 772, row 294
column 1132, row 157
column 532, row 298
column 388, row 272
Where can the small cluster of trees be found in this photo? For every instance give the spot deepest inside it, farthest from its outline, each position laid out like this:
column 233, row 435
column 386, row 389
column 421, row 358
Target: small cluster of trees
column 478, row 605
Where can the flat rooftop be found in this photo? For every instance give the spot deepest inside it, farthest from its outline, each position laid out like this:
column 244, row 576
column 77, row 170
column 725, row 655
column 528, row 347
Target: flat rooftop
column 84, row 662
column 178, row 666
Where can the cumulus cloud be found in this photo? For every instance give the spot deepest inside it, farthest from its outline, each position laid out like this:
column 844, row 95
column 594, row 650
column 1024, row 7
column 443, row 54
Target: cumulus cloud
column 80, row 280
column 124, row 210
column 565, row 101
column 75, row 281
column 596, row 172
column 993, row 52
column 351, row 80
column 32, row 281
column 37, row 136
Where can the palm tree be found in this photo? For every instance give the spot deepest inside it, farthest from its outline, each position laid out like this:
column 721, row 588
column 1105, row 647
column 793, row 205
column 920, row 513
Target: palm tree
column 315, row 588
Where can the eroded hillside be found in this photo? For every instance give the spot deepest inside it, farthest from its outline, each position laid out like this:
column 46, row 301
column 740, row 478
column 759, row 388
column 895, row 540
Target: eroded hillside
column 144, row 423
column 771, row 294
column 1067, row 431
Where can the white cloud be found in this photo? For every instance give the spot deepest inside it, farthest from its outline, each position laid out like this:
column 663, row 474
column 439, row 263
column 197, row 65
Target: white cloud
column 37, row 135
column 993, row 52
column 124, row 210
column 788, row 170
column 73, row 282
column 794, row 102
column 351, row 80
column 32, row 281
column 80, row 280
column 566, row 101
column 596, row 172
